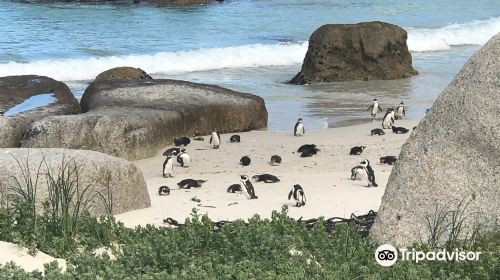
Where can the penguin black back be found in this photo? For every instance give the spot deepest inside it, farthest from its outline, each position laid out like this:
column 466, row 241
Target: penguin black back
column 164, row 190
column 183, row 141
column 245, row 161
column 234, row 188
column 235, row 139
column 267, row 178
column 275, row 160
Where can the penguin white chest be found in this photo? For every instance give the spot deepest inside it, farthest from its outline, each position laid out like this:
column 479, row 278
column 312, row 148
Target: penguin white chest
column 169, row 167
column 186, row 159
column 215, row 139
column 361, row 174
column 375, row 109
column 300, row 129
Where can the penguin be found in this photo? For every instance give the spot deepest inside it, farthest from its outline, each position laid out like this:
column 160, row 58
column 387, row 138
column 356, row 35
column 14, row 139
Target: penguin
column 299, row 129
column 306, row 147
column 168, row 165
column 388, row 120
column 1, row 113
column 163, row 190
column 357, row 150
column 275, row 160
column 399, row 130
column 169, row 151
column 199, row 138
column 183, row 141
column 183, row 158
column 190, row 183
column 248, row 186
column 377, row 131
column 400, row 111
column 298, row 194
column 309, row 151
column 234, row 188
column 362, row 170
column 266, row 178
column 388, row 160
column 245, row 161
column 235, row 139
column 375, row 107
column 215, row 139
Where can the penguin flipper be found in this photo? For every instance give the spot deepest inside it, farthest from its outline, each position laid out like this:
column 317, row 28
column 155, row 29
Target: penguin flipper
column 369, row 108
column 290, row 194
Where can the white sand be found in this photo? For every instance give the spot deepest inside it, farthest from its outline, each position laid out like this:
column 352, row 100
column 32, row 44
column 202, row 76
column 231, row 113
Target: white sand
column 21, row 257
column 325, row 177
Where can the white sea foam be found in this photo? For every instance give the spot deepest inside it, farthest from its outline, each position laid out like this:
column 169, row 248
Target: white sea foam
column 438, row 39
column 419, row 40
column 165, row 62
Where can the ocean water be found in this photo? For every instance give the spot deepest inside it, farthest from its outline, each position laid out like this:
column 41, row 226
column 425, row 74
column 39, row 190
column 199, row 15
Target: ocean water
column 252, row 46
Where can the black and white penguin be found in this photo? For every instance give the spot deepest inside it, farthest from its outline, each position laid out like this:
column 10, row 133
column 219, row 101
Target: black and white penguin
column 364, row 170
column 235, row 139
column 298, row 194
column 245, row 161
column 308, row 150
column 388, row 160
column 388, row 120
column 215, row 139
column 168, row 165
column 377, row 131
column 234, row 188
column 275, row 160
column 400, row 111
column 190, row 183
column 266, row 178
column 183, row 158
column 168, row 152
column 375, row 108
column 299, row 129
column 199, row 138
column 1, row 113
column 357, row 150
column 399, row 130
column 164, row 190
column 183, row 141
column 248, row 186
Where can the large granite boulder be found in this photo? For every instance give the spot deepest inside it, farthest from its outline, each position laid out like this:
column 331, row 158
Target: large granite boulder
column 123, row 73
column 134, row 119
column 24, row 99
column 363, row 51
column 117, row 180
column 450, row 165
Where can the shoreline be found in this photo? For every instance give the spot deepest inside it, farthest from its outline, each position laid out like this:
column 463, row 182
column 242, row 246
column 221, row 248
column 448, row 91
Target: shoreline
column 325, row 177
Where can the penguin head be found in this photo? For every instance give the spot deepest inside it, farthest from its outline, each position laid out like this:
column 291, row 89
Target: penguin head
column 375, row 100
column 402, row 103
column 174, row 153
column 296, row 186
column 299, row 120
column 365, row 163
column 200, row 182
column 362, row 147
column 244, row 177
column 256, row 177
column 183, row 150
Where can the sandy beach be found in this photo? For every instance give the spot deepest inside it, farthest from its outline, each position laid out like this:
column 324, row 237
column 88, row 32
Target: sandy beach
column 325, row 177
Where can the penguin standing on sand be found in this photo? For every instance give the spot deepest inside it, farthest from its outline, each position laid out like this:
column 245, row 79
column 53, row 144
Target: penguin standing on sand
column 298, row 194
column 375, row 107
column 248, row 186
column 400, row 111
column 388, row 120
column 299, row 129
column 168, row 165
column 215, row 139
column 183, row 158
column 362, row 170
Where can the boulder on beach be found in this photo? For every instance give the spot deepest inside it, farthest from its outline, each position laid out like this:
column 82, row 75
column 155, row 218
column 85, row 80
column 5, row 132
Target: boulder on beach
column 115, row 185
column 28, row 98
column 447, row 178
column 362, row 51
column 134, row 119
column 123, row 73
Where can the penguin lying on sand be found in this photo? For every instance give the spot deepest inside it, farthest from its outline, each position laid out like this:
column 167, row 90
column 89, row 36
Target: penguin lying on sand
column 234, row 188
column 235, row 139
column 183, row 141
column 163, row 190
column 266, row 178
column 298, row 194
column 399, row 130
column 245, row 161
column 357, row 150
column 190, row 183
column 377, row 131
column 362, row 170
column 388, row 160
column 275, row 160
column 308, row 150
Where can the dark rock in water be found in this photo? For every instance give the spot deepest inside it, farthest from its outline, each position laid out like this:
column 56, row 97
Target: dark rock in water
column 123, row 73
column 133, row 119
column 245, row 161
column 449, row 167
column 363, row 51
column 18, row 94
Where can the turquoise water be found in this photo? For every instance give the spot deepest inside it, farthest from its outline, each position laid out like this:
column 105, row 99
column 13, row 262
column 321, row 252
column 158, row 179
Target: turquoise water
column 252, row 46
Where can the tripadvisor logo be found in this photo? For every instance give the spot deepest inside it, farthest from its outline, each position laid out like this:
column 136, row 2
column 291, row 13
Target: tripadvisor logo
column 387, row 255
